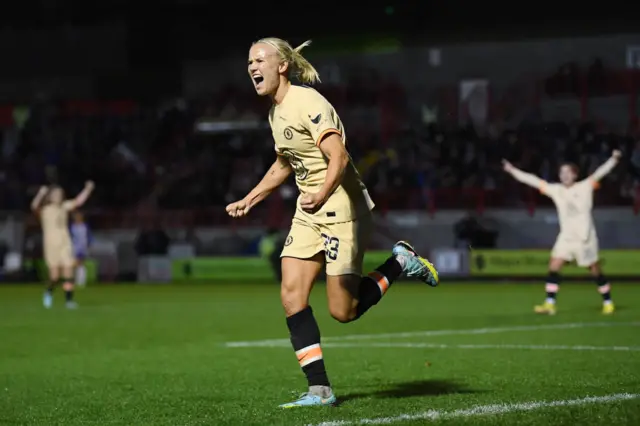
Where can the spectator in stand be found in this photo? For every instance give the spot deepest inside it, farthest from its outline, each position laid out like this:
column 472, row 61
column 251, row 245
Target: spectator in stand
column 155, row 151
column 596, row 78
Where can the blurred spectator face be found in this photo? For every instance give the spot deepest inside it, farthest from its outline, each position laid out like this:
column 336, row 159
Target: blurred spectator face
column 265, row 68
column 78, row 217
column 568, row 174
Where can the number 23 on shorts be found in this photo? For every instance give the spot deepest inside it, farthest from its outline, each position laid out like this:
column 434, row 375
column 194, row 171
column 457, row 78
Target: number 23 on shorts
column 331, row 247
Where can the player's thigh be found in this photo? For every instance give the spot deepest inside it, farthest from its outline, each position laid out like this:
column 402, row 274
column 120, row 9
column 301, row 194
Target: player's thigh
column 344, row 253
column 556, row 264
column 52, row 260
column 587, row 254
column 67, row 261
column 342, row 296
column 345, row 244
column 54, row 272
column 562, row 252
column 302, row 261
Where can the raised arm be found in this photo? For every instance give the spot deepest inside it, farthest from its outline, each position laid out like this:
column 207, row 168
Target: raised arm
column 524, row 177
column 606, row 167
column 37, row 200
column 82, row 197
column 275, row 176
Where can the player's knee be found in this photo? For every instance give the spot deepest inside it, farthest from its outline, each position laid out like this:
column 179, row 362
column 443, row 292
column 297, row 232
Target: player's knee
column 292, row 297
column 343, row 293
column 553, row 277
column 555, row 265
column 342, row 314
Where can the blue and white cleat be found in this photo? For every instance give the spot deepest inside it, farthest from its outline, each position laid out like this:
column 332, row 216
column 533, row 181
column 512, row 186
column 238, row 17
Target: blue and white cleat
column 415, row 266
column 71, row 305
column 310, row 400
column 47, row 300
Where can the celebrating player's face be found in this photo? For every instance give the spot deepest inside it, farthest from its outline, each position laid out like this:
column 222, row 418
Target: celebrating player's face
column 567, row 175
column 264, row 68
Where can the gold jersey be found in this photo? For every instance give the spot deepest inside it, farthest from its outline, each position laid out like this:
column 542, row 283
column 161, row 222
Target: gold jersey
column 55, row 223
column 299, row 124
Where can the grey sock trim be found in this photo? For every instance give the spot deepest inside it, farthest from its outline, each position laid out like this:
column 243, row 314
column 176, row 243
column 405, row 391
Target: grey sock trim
column 321, row 391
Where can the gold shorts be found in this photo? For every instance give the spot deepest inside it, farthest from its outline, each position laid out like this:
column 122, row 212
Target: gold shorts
column 585, row 253
column 59, row 256
column 343, row 243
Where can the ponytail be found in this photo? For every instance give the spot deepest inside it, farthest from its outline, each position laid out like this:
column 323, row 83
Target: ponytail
column 298, row 64
column 303, row 69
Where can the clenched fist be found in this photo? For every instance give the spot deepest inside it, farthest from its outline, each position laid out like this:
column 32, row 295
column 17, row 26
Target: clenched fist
column 238, row 209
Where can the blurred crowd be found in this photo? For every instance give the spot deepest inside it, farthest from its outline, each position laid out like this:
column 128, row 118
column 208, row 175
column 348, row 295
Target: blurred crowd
column 209, row 151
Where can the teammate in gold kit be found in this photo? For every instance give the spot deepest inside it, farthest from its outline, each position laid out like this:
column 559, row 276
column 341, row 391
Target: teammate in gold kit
column 577, row 240
column 53, row 211
column 332, row 222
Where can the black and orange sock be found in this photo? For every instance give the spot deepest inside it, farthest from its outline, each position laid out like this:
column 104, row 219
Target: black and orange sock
column 305, row 338
column 376, row 284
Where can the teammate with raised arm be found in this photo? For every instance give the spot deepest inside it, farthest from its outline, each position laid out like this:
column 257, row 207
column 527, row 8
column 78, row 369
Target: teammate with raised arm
column 53, row 210
column 577, row 240
column 332, row 222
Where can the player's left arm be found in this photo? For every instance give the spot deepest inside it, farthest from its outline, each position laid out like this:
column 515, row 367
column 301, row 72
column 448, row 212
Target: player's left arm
column 606, row 167
column 81, row 198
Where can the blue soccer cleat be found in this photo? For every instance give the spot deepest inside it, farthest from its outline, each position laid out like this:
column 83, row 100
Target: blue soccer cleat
column 415, row 266
column 47, row 300
column 310, row 400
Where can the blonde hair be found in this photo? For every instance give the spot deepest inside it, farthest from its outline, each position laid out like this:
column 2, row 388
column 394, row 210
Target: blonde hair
column 298, row 65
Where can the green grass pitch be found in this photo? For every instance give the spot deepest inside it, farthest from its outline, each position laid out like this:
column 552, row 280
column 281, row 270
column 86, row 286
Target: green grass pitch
column 471, row 354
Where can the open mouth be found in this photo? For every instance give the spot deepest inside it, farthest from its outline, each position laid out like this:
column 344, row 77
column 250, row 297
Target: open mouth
column 257, row 79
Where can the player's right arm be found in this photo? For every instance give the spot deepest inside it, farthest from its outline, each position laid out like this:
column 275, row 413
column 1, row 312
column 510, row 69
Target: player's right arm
column 524, row 177
column 275, row 176
column 37, row 200
column 81, row 198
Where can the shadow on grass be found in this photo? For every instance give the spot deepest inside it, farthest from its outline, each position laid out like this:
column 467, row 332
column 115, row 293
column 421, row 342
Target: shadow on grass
column 412, row 389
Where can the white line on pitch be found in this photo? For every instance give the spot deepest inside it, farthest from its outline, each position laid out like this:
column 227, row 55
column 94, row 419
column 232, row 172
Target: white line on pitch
column 488, row 346
column 431, row 333
column 483, row 410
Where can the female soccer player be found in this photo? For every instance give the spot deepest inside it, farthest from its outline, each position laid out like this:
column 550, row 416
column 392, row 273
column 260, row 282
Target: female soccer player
column 577, row 240
column 57, row 247
column 332, row 222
